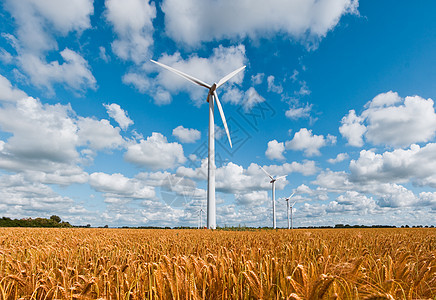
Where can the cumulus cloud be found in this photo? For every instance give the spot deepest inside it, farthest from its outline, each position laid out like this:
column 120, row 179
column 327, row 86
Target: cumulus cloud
column 387, row 195
column 305, row 140
column 340, row 157
column 414, row 120
column 38, row 23
column 398, row 166
column 186, row 135
column 155, row 152
column 190, row 22
column 18, row 194
column 119, row 115
column 257, row 79
column 36, row 131
column 272, row 87
column 251, row 199
column 296, row 113
column 391, row 120
column 353, row 129
column 251, row 98
column 117, row 186
column 275, row 150
column 74, row 72
column 132, row 21
column 98, row 134
column 45, row 140
column 8, row 92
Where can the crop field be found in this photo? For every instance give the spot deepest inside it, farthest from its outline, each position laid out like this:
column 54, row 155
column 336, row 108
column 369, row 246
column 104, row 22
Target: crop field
column 202, row 264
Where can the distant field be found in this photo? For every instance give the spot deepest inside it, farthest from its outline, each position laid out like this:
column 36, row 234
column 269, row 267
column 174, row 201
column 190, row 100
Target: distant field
column 202, row 264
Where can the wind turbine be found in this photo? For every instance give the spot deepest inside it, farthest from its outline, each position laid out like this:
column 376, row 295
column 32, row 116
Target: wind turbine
column 290, row 226
column 273, row 182
column 200, row 216
column 212, row 96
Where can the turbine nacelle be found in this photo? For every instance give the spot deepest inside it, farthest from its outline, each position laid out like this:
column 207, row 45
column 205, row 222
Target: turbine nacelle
column 211, row 91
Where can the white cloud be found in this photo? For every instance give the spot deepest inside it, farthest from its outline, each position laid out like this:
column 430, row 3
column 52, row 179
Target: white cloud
column 388, row 195
column 103, row 55
column 118, row 186
column 186, row 135
column 8, row 92
column 257, row 79
column 98, row 134
column 191, row 22
column 155, row 152
column 392, row 121
column 140, row 82
column 119, row 115
column 304, row 89
column 233, row 95
column 133, row 23
column 384, row 100
column 38, row 22
column 272, row 87
column 305, row 140
column 296, row 113
column 74, row 72
column 251, row 98
column 275, row 150
column 412, row 121
column 251, row 199
column 44, row 140
column 40, row 132
column 399, row 166
column 340, row 157
column 353, row 129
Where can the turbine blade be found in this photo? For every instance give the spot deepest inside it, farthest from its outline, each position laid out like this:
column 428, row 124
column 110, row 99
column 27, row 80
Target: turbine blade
column 291, row 195
column 218, row 103
column 267, row 174
column 228, row 76
column 184, row 75
column 293, row 204
column 284, row 176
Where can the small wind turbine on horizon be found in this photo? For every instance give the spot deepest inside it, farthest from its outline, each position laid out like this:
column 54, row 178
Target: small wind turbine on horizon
column 290, row 226
column 212, row 96
column 273, row 182
column 200, row 217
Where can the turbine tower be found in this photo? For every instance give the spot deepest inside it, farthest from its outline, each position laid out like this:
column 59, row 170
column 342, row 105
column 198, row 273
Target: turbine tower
column 212, row 96
column 290, row 226
column 273, row 182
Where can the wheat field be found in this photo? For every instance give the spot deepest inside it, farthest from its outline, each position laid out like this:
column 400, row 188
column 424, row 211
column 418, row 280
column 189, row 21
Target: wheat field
column 203, row 264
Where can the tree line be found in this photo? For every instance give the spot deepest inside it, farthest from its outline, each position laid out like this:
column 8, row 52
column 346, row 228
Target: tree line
column 53, row 221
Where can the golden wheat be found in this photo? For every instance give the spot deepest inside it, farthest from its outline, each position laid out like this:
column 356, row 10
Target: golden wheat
column 203, row 264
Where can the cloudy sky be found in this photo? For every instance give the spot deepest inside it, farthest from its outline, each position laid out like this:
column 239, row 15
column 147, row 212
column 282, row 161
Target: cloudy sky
column 337, row 95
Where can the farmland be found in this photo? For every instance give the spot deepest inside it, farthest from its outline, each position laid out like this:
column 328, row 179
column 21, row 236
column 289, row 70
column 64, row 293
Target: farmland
column 41, row 263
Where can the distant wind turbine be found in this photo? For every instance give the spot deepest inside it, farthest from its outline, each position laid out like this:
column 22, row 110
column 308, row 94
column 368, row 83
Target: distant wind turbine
column 290, row 226
column 212, row 96
column 273, row 182
column 200, row 217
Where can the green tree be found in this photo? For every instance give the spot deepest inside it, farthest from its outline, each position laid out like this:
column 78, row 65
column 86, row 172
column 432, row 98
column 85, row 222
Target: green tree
column 55, row 218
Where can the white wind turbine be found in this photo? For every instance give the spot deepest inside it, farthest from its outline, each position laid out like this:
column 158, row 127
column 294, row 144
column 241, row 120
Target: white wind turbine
column 212, row 96
column 290, row 226
column 273, row 182
column 200, row 216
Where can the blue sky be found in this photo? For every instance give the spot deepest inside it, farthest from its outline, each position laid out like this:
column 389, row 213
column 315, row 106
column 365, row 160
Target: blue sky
column 337, row 95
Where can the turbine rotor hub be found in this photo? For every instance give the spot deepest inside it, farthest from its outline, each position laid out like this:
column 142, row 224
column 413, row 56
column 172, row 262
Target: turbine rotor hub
column 213, row 88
